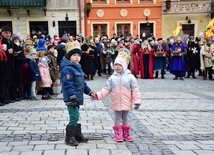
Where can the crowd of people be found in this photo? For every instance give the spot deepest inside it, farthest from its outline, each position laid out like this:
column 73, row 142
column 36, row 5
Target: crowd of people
column 31, row 66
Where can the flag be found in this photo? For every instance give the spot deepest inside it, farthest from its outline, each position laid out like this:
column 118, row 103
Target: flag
column 210, row 29
column 177, row 31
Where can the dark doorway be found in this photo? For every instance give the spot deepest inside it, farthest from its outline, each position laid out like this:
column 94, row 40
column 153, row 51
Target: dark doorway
column 188, row 29
column 6, row 23
column 68, row 27
column 38, row 28
column 146, row 28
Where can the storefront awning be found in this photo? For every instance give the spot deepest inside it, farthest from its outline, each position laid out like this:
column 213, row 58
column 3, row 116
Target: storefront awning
column 10, row 4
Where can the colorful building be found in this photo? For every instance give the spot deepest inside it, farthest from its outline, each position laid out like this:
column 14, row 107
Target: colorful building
column 123, row 17
column 194, row 15
column 54, row 17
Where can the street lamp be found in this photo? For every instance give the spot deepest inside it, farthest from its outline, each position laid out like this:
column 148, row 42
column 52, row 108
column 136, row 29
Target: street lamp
column 168, row 5
column 66, row 17
column 147, row 19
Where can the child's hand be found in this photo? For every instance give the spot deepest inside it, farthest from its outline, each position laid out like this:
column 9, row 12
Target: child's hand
column 136, row 107
column 93, row 95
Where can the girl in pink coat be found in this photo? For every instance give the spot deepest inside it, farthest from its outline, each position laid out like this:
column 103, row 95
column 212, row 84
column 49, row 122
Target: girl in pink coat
column 124, row 94
column 46, row 81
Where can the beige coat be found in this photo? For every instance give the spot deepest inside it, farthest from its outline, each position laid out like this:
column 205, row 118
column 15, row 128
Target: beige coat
column 206, row 58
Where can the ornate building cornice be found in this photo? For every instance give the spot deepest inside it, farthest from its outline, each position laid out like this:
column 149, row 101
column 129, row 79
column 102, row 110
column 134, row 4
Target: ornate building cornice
column 188, row 7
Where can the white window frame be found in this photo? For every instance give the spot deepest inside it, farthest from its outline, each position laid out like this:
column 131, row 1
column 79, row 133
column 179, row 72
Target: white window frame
column 115, row 2
column 154, row 1
column 107, row 3
column 93, row 23
column 125, row 22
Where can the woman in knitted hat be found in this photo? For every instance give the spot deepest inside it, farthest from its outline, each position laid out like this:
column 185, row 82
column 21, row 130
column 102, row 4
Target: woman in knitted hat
column 73, row 88
column 121, row 82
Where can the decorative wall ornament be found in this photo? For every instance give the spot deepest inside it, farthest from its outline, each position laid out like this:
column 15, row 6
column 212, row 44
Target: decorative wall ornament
column 190, row 7
column 147, row 12
column 123, row 12
column 100, row 13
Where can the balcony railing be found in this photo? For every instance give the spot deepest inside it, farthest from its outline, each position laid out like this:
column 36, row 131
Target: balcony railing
column 187, row 7
column 9, row 4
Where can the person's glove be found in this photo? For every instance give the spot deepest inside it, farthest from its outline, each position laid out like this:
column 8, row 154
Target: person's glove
column 75, row 103
column 136, row 107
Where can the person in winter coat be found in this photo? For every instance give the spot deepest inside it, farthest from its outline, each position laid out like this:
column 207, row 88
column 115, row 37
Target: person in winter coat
column 19, row 59
column 61, row 49
column 207, row 59
column 73, row 88
column 34, row 73
column 46, row 81
column 6, row 66
column 124, row 93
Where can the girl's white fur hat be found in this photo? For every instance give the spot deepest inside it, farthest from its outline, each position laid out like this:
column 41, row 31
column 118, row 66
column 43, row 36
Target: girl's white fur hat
column 123, row 58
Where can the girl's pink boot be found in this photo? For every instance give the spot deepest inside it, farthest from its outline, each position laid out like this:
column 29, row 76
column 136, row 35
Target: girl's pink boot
column 118, row 133
column 126, row 134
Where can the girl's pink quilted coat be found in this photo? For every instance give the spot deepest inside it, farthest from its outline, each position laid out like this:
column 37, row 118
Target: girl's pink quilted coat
column 124, row 91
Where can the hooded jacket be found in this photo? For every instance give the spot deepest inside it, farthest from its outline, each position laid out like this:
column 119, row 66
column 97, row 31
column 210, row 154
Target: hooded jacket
column 73, row 83
column 45, row 75
column 124, row 91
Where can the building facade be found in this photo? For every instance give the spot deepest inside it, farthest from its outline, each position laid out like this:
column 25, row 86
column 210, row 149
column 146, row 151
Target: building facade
column 54, row 17
column 194, row 15
column 123, row 17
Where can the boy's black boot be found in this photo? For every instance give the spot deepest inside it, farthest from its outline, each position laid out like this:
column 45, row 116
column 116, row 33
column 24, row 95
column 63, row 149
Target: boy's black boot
column 70, row 136
column 78, row 136
column 156, row 74
column 162, row 74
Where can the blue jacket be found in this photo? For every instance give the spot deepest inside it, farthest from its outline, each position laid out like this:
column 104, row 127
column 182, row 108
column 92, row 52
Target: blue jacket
column 34, row 73
column 73, row 83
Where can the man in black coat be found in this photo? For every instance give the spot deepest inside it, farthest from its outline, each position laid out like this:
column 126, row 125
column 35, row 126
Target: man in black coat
column 192, row 58
column 6, row 67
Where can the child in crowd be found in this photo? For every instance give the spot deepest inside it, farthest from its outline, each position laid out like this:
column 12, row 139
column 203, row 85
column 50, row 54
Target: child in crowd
column 73, row 87
column 124, row 93
column 46, row 81
column 34, row 73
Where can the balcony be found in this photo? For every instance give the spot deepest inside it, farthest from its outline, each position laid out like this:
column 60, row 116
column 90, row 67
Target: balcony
column 22, row 4
column 189, row 7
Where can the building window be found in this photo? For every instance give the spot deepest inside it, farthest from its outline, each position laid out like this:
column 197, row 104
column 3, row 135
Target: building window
column 99, row 1
column 123, row 29
column 68, row 27
column 99, row 29
column 123, row 1
column 38, row 28
column 143, row 1
column 188, row 29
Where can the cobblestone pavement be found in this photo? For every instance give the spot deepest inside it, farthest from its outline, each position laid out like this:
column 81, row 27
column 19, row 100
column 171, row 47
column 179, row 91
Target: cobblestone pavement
column 176, row 117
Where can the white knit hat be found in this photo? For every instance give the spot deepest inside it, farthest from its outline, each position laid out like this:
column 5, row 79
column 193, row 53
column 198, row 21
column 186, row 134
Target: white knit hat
column 123, row 58
column 122, row 62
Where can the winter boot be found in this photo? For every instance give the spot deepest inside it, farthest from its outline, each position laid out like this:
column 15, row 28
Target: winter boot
column 188, row 74
column 193, row 74
column 118, row 133
column 78, row 136
column 156, row 74
column 70, row 136
column 126, row 134
column 162, row 74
